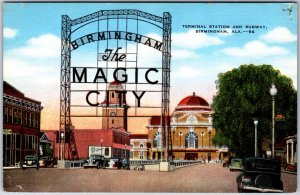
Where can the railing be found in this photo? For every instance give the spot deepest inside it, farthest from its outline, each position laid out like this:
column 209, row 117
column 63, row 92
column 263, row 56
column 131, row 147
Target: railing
column 182, row 163
column 144, row 162
column 176, row 163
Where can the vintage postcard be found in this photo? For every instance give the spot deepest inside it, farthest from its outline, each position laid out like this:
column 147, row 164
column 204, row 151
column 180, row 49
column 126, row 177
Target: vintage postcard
column 149, row 96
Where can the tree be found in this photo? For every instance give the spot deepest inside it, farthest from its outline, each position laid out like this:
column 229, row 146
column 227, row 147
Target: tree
column 243, row 94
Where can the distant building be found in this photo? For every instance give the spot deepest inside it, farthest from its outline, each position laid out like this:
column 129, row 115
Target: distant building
column 191, row 132
column 21, row 125
column 111, row 141
column 139, row 147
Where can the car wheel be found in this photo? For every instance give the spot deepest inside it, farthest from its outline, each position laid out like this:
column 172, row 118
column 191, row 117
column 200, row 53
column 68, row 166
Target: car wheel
column 263, row 181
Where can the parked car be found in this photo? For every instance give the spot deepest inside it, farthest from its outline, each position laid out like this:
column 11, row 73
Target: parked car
column 95, row 161
column 260, row 175
column 126, row 163
column 46, row 161
column 30, row 161
column 236, row 164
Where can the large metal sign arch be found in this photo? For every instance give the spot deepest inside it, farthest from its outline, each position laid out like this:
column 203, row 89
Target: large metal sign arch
column 70, row 74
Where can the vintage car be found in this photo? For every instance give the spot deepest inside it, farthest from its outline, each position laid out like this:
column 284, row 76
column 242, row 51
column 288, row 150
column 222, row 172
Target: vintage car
column 95, row 161
column 236, row 164
column 30, row 161
column 46, row 161
column 260, row 175
column 126, row 163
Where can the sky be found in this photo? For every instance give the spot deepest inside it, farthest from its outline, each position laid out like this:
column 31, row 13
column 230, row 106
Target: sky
column 32, row 58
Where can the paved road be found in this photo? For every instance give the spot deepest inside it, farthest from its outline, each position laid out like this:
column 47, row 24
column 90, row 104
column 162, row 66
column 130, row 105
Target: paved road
column 197, row 178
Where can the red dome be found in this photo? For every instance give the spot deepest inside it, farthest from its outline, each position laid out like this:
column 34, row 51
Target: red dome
column 115, row 83
column 193, row 102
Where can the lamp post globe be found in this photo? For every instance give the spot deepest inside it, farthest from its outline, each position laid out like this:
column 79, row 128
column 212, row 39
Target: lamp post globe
column 273, row 90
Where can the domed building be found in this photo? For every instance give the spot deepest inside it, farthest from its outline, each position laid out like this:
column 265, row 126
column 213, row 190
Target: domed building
column 191, row 131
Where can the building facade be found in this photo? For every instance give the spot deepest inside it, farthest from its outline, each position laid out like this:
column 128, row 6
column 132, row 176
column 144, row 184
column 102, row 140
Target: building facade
column 139, row 147
column 291, row 149
column 192, row 131
column 21, row 125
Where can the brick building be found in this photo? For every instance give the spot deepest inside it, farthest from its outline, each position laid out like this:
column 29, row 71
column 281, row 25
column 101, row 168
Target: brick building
column 21, row 125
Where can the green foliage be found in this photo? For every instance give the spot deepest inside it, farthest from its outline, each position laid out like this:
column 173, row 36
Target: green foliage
column 244, row 93
column 47, row 150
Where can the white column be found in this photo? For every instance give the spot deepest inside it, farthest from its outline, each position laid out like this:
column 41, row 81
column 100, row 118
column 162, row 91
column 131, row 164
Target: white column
column 292, row 155
column 287, row 151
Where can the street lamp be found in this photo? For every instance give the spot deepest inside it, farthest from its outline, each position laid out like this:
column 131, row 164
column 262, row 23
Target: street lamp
column 180, row 135
column 209, row 128
column 255, row 145
column 202, row 134
column 101, row 141
column 63, row 146
column 273, row 92
column 209, row 132
column 173, row 141
column 125, row 151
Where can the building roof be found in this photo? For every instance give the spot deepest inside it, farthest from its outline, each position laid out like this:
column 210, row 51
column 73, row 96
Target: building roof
column 10, row 90
column 139, row 136
column 115, row 83
column 193, row 102
column 155, row 120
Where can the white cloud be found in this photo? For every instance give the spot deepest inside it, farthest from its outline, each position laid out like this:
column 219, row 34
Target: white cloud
column 287, row 66
column 18, row 68
column 44, row 46
column 184, row 53
column 186, row 72
column 279, row 35
column 255, row 49
column 9, row 33
column 193, row 40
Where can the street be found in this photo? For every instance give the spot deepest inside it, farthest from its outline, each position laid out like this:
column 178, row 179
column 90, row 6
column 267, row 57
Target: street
column 196, row 178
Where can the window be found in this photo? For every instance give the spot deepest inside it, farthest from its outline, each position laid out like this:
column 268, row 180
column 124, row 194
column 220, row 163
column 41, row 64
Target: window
column 191, row 140
column 25, row 118
column 33, row 120
column 192, row 119
column 112, row 95
column 131, row 154
column 141, row 145
column 5, row 120
column 36, row 120
column 106, row 152
column 20, row 117
column 10, row 115
column 141, row 154
column 157, row 140
column 29, row 119
column 16, row 119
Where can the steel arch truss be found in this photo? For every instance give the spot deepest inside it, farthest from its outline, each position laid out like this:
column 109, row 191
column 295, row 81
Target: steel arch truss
column 65, row 82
